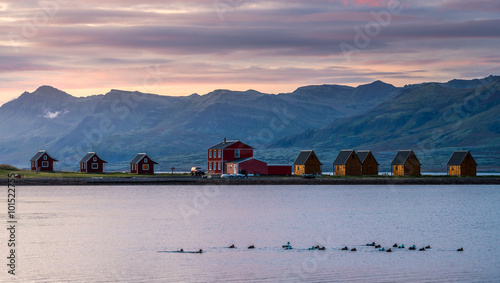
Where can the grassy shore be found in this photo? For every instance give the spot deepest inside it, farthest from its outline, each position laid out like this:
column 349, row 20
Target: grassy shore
column 31, row 178
column 68, row 174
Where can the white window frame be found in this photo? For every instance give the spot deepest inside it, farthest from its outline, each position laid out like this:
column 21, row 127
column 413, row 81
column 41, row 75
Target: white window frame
column 210, row 154
column 45, row 164
column 45, row 157
column 94, row 159
column 209, row 165
column 96, row 166
column 219, row 153
column 237, row 153
column 145, row 160
column 145, row 166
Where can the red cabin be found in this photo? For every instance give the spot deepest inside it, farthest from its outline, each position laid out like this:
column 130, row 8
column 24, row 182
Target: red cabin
column 91, row 163
column 246, row 166
column 42, row 162
column 142, row 164
column 221, row 153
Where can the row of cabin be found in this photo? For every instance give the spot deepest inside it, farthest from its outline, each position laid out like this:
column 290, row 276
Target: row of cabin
column 235, row 157
column 92, row 163
column 362, row 162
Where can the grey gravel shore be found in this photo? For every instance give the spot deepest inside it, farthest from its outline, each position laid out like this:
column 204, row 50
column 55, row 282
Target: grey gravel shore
column 188, row 180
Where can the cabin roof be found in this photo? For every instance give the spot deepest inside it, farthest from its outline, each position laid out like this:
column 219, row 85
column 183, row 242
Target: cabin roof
column 457, row 158
column 225, row 144
column 40, row 154
column 139, row 157
column 401, row 157
column 343, row 156
column 303, row 157
column 241, row 160
column 89, row 155
column 363, row 154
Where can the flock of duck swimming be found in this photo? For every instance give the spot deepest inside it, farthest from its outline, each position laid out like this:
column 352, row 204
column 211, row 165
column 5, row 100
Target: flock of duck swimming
column 289, row 247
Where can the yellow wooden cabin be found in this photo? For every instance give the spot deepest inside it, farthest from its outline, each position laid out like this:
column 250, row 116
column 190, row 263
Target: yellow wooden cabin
column 462, row 163
column 347, row 163
column 369, row 165
column 405, row 163
column 307, row 163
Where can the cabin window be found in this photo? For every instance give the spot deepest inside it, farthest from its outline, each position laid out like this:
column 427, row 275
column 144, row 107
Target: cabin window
column 95, row 159
column 209, row 165
column 219, row 153
column 145, row 160
column 145, row 166
column 95, row 165
column 209, row 154
column 237, row 154
column 45, row 157
column 218, row 165
column 45, row 164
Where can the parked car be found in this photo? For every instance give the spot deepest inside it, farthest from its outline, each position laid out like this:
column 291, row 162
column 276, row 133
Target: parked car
column 233, row 176
column 197, row 171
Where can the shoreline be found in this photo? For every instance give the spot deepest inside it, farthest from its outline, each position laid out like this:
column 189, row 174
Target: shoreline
column 196, row 181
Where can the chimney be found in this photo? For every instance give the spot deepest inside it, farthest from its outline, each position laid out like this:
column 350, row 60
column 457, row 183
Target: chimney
column 224, row 140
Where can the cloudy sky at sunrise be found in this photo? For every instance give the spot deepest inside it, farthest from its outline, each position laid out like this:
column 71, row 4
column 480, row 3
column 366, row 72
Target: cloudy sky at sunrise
column 181, row 47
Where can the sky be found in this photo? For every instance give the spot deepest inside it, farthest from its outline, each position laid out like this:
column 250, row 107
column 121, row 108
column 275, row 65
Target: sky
column 184, row 47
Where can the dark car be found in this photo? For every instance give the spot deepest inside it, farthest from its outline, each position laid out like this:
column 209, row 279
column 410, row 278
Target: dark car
column 197, row 171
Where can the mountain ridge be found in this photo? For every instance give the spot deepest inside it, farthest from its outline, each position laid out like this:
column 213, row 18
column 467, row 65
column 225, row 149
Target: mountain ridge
column 178, row 129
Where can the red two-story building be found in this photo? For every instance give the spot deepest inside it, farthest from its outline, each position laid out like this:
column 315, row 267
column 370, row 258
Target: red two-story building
column 221, row 153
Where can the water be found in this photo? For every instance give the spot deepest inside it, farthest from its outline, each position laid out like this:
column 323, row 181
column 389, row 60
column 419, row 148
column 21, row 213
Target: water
column 109, row 234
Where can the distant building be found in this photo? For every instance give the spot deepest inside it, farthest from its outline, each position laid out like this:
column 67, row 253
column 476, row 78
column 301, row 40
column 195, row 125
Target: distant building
column 369, row 165
column 246, row 166
column 347, row 163
column 307, row 163
column 221, row 153
column 462, row 163
column 42, row 162
column 91, row 163
column 405, row 163
column 279, row 169
column 142, row 164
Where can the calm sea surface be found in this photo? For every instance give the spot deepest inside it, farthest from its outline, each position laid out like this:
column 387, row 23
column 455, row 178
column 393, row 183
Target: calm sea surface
column 116, row 233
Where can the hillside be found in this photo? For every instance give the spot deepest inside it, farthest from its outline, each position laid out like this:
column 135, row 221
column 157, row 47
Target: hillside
column 175, row 130
column 432, row 119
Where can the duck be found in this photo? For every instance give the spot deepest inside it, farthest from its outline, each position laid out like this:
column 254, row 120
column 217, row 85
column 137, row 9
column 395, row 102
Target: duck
column 371, row 245
column 422, row 249
column 287, row 245
column 382, row 249
column 353, row 249
column 344, row 249
column 251, row 247
column 389, row 251
column 181, row 250
column 428, row 247
column 395, row 245
column 322, row 248
column 200, row 251
column 232, row 246
column 401, row 246
column 412, row 248
column 378, row 246
column 460, row 250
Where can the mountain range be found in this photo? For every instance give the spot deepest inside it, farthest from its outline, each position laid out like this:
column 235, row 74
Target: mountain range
column 431, row 118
